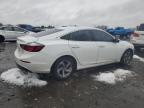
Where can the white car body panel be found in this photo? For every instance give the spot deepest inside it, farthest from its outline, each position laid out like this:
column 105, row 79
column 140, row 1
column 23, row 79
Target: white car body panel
column 12, row 35
column 81, row 49
column 138, row 40
column 86, row 54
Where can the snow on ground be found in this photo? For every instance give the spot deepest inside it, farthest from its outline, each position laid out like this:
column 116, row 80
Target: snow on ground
column 113, row 77
column 139, row 58
column 17, row 77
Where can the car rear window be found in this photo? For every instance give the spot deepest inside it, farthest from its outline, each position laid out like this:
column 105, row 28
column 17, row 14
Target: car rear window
column 47, row 32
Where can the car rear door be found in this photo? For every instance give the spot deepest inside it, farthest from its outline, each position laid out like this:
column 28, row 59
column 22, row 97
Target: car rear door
column 83, row 47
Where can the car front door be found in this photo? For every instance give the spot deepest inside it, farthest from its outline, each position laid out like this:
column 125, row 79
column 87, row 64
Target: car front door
column 107, row 48
column 83, row 47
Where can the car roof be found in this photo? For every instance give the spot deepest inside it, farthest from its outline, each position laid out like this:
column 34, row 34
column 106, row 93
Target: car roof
column 65, row 31
column 77, row 28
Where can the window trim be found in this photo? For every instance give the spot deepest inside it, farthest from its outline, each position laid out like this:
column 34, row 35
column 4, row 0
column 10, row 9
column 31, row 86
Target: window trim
column 91, row 37
column 70, row 38
column 68, row 34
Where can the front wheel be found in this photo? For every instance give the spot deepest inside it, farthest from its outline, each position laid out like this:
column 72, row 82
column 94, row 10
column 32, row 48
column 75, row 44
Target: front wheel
column 63, row 68
column 127, row 57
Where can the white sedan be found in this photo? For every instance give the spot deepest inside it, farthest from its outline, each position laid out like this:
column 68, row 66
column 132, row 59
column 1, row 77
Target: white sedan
column 10, row 33
column 138, row 39
column 62, row 51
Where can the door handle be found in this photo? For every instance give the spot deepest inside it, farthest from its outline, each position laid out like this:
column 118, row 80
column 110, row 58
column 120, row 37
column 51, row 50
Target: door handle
column 101, row 46
column 75, row 47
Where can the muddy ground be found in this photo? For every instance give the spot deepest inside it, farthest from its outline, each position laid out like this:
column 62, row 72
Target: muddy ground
column 80, row 91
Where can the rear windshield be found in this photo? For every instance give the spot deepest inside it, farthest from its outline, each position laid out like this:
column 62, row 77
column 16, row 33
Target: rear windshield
column 47, row 32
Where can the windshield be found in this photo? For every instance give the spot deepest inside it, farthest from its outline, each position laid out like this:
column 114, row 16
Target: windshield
column 47, row 32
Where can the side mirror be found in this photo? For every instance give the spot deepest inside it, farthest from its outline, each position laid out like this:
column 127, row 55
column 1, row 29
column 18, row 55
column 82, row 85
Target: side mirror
column 116, row 40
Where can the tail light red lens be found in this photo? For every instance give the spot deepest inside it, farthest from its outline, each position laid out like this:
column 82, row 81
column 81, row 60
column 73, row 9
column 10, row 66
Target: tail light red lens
column 34, row 48
column 136, row 35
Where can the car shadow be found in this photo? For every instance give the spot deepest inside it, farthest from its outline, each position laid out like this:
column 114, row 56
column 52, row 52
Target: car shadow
column 2, row 47
column 85, row 73
column 140, row 52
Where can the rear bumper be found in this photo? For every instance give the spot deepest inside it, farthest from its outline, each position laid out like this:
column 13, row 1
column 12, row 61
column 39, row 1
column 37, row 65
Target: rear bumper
column 34, row 68
column 22, row 68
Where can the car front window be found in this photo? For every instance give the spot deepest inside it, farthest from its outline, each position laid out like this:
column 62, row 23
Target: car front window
column 101, row 36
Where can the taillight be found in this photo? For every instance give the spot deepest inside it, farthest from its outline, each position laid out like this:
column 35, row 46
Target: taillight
column 32, row 48
column 136, row 35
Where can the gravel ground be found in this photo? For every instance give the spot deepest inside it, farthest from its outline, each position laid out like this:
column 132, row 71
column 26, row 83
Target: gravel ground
column 80, row 91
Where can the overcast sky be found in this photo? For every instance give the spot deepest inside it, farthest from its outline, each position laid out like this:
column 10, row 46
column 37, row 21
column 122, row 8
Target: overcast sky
column 127, row 13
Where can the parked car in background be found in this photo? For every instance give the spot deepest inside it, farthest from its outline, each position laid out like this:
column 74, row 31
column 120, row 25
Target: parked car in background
column 121, row 32
column 10, row 33
column 62, row 51
column 30, row 28
column 137, row 39
column 141, row 27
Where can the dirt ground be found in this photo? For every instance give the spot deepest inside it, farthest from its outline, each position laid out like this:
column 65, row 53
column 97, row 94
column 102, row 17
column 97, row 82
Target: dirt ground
column 79, row 91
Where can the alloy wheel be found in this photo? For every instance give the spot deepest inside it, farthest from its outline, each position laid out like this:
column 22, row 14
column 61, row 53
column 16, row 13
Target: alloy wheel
column 64, row 68
column 127, row 57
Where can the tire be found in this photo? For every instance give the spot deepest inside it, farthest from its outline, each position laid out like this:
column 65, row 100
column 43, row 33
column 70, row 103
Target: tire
column 127, row 57
column 2, row 39
column 63, row 68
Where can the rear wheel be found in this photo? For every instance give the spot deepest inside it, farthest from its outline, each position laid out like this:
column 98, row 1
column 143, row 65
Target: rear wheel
column 2, row 39
column 127, row 57
column 63, row 68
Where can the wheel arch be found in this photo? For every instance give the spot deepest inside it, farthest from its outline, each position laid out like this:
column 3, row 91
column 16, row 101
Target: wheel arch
column 127, row 50
column 130, row 50
column 69, row 56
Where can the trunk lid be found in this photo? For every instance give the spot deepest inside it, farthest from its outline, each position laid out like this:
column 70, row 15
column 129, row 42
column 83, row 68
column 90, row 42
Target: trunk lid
column 138, row 37
column 141, row 35
column 26, row 39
